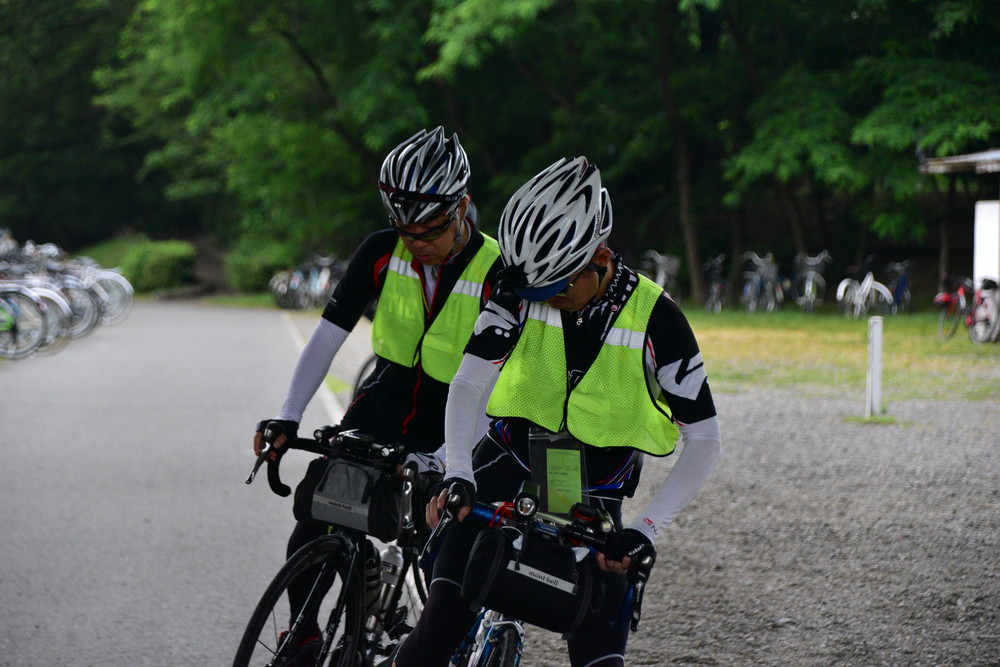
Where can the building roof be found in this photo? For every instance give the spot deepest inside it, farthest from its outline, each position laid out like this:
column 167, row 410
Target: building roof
column 985, row 162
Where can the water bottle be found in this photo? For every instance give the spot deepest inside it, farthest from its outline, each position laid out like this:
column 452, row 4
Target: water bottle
column 392, row 565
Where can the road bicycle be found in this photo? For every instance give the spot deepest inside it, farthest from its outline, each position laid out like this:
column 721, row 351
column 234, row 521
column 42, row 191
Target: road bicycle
column 496, row 639
column 810, row 286
column 308, row 286
column 899, row 286
column 955, row 304
column 761, row 288
column 718, row 286
column 859, row 297
column 984, row 320
column 663, row 270
column 364, row 602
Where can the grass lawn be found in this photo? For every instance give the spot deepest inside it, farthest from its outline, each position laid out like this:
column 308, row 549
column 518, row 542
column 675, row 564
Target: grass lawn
column 826, row 350
column 823, row 353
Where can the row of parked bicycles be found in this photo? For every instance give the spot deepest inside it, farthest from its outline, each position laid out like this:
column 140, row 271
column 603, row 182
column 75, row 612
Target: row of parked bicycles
column 48, row 299
column 858, row 295
column 765, row 289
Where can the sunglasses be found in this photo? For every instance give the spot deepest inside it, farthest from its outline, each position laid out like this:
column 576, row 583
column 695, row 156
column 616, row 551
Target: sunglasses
column 431, row 234
column 572, row 281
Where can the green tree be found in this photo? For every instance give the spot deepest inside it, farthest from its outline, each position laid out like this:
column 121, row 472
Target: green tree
column 63, row 179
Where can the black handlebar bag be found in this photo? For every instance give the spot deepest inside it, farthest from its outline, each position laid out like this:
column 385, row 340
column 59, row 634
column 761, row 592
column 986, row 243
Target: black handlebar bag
column 532, row 579
column 353, row 495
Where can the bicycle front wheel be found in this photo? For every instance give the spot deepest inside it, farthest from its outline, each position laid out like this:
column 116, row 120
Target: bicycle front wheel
column 948, row 321
column 326, row 630
column 506, row 652
column 22, row 325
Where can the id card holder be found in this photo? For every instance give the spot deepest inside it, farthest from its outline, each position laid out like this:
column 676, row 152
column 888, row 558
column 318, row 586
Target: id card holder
column 558, row 466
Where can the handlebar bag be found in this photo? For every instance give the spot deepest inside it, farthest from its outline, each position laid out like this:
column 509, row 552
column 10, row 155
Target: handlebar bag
column 353, row 495
column 537, row 581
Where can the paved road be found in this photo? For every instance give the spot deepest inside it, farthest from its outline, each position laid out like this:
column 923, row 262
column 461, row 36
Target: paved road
column 129, row 537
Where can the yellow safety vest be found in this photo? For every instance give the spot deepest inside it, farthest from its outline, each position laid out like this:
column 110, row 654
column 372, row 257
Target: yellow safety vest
column 401, row 332
column 612, row 405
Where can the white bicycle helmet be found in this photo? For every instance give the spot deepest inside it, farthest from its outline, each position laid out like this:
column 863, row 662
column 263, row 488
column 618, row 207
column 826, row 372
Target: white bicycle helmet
column 552, row 225
column 423, row 177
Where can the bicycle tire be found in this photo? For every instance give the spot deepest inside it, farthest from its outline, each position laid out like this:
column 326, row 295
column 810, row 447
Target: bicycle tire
column 749, row 296
column 116, row 304
column 948, row 321
column 86, row 309
column 57, row 320
column 882, row 302
column 984, row 324
column 326, row 562
column 23, row 328
column 505, row 652
column 716, row 298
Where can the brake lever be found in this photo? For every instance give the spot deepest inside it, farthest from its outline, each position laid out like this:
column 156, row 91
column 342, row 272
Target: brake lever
column 260, row 460
column 270, row 436
column 641, row 576
column 273, row 475
column 432, row 546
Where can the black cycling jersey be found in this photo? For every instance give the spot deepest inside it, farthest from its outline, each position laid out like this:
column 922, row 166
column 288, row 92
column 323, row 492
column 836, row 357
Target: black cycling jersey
column 397, row 403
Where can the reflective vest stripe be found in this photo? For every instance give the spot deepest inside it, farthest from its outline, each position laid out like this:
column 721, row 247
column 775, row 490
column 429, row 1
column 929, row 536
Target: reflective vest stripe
column 401, row 333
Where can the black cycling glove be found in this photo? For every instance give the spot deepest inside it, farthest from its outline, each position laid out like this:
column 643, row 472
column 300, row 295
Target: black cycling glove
column 628, row 542
column 288, row 428
column 509, row 279
column 465, row 489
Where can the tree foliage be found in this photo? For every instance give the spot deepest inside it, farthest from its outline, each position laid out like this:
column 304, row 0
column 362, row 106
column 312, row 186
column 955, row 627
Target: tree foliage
column 270, row 119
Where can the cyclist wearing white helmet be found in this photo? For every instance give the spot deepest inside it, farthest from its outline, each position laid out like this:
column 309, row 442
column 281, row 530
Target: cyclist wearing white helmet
column 589, row 352
column 431, row 274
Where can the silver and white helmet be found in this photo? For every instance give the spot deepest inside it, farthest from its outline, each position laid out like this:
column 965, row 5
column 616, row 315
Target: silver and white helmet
column 553, row 224
column 423, row 177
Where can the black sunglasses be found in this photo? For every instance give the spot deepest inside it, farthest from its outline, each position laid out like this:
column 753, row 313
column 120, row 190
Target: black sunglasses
column 431, row 234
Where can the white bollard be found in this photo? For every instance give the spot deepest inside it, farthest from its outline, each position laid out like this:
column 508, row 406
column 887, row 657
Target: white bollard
column 873, row 402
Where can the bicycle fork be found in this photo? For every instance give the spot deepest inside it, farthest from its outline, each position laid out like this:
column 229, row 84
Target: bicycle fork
column 485, row 636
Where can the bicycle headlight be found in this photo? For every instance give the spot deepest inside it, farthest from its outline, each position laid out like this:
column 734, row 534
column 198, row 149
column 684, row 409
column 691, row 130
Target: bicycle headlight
column 526, row 505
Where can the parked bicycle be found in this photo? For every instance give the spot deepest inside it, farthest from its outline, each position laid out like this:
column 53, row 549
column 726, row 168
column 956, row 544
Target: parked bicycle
column 984, row 320
column 955, row 304
column 510, row 565
column 859, row 297
column 761, row 287
column 899, row 286
column 308, row 286
column 357, row 603
column 810, row 286
column 718, row 287
column 663, row 270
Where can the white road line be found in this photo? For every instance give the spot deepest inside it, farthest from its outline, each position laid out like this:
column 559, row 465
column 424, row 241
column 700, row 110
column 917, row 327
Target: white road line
column 334, row 410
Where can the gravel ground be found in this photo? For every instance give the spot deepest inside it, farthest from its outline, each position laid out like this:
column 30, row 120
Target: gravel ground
column 823, row 540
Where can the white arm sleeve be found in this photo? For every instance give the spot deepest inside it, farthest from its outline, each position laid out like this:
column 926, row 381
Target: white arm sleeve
column 462, row 418
column 312, row 367
column 701, row 451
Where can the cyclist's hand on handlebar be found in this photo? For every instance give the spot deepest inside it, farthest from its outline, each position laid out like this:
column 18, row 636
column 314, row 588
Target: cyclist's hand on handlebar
column 278, row 429
column 622, row 550
column 462, row 491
